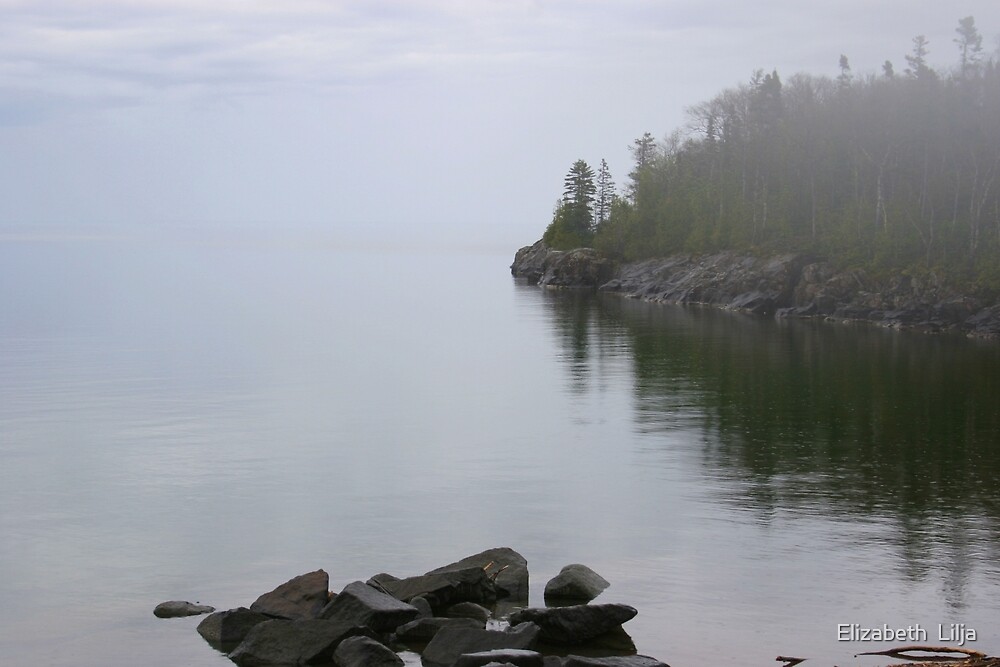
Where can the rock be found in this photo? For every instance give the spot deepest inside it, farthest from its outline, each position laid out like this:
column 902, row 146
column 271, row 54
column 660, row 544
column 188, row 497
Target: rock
column 985, row 323
column 422, row 606
column 576, row 624
column 423, row 630
column 616, row 661
column 365, row 652
column 452, row 642
column 178, row 608
column 442, row 589
column 509, row 570
column 530, row 262
column 360, row 604
column 284, row 642
column 468, row 610
column 379, row 580
column 301, row 597
column 510, row 656
column 576, row 582
column 581, row 268
column 226, row 629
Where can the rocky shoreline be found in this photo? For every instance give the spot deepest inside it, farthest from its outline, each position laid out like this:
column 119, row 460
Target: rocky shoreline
column 470, row 613
column 789, row 286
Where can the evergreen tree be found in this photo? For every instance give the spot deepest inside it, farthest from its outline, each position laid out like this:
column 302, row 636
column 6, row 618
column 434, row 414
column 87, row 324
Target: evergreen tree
column 918, row 68
column 970, row 45
column 605, row 195
column 643, row 153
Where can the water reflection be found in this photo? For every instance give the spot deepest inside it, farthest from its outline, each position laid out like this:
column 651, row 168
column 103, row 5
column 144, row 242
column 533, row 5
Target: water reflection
column 852, row 424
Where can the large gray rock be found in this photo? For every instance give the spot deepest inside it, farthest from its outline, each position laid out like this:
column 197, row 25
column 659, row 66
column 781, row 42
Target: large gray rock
column 468, row 610
column 508, row 656
column 178, row 608
column 575, row 582
column 303, row 596
column 576, row 624
column 422, row 606
column 583, row 268
column 365, row 652
column 450, row 643
column 616, row 661
column 530, row 261
column 226, row 629
column 423, row 630
column 360, row 604
column 442, row 589
column 507, row 568
column 283, row 642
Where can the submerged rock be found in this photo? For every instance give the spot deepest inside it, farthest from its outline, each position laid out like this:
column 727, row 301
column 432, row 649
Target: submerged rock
column 450, row 643
column 179, row 608
column 509, row 656
column 301, row 597
column 365, row 652
column 575, row 582
column 228, row 628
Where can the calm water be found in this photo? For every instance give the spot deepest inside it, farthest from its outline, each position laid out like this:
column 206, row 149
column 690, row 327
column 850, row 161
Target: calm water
column 203, row 418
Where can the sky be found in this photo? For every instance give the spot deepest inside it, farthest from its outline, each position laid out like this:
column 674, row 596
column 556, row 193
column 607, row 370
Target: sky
column 423, row 122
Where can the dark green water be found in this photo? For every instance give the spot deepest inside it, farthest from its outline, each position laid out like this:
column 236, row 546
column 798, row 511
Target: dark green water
column 192, row 418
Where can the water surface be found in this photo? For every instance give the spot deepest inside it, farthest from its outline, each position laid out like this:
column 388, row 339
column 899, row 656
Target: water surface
column 203, row 417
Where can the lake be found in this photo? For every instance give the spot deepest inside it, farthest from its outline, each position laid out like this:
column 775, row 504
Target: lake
column 203, row 416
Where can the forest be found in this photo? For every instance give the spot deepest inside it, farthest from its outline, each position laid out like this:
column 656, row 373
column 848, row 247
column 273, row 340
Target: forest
column 894, row 171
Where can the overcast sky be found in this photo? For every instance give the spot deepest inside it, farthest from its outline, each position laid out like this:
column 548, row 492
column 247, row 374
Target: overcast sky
column 416, row 120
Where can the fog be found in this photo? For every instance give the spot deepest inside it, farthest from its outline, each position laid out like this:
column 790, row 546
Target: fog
column 435, row 123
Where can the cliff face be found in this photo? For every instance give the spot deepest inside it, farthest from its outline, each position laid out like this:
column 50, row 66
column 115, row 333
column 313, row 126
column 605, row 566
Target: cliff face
column 781, row 286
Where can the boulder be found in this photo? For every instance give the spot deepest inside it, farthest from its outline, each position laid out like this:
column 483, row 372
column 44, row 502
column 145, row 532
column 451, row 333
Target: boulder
column 360, row 604
column 450, row 643
column 378, row 580
column 575, row 624
column 442, row 589
column 530, row 261
column 616, row 661
column 507, row 568
column 510, row 656
column 226, row 629
column 583, row 268
column 468, row 610
column 422, row 606
column 365, row 652
column 283, row 642
column 423, row 630
column 301, row 597
column 575, row 582
column 178, row 608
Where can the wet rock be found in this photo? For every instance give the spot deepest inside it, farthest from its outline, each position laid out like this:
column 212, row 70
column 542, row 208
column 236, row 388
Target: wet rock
column 450, row 643
column 226, row 629
column 575, row 582
column 300, row 642
column 583, row 268
column 507, row 568
column 360, row 604
column 576, row 624
column 423, row 630
column 468, row 610
column 442, row 589
column 301, row 597
column 985, row 323
column 516, row 657
column 178, row 608
column 530, row 262
column 365, row 652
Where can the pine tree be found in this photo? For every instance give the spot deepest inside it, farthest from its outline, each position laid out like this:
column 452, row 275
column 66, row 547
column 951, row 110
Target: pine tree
column 970, row 44
column 605, row 195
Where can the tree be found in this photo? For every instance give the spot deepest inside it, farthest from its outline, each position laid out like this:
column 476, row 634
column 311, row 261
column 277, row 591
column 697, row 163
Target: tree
column 845, row 72
column 605, row 195
column 970, row 44
column 918, row 68
column 643, row 153
column 887, row 70
column 572, row 224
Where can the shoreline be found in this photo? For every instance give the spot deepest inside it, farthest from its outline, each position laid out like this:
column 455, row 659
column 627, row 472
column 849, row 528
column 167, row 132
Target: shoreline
column 782, row 286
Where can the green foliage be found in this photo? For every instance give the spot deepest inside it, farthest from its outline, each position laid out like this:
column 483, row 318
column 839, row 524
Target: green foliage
column 883, row 172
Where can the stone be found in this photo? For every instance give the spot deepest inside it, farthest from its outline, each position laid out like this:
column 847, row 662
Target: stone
column 422, row 606
column 178, row 608
column 299, row 642
column 365, row 652
column 423, row 630
column 507, row 568
column 360, row 604
column 614, row 661
column 226, row 629
column 442, row 589
column 582, row 268
column 575, row 624
column 509, row 656
column 301, row 597
column 379, row 580
column 450, row 643
column 576, row 582
column 468, row 610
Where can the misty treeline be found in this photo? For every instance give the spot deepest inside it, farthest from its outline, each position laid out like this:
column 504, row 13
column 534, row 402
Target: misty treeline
column 895, row 170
